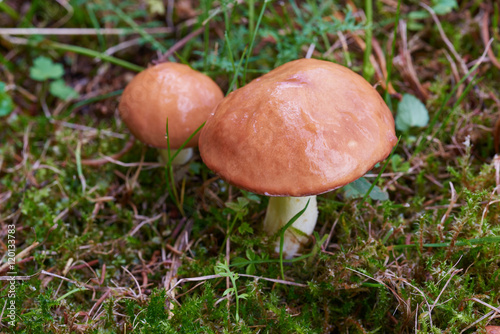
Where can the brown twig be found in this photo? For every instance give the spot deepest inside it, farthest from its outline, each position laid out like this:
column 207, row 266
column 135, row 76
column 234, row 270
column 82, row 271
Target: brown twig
column 448, row 211
column 496, row 136
column 85, row 265
column 80, row 31
column 485, row 34
column 21, row 255
column 450, row 46
column 407, row 60
column 177, row 46
column 103, row 297
column 98, row 162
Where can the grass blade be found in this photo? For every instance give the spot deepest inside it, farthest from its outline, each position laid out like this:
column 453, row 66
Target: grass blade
column 253, row 39
column 367, row 66
column 387, row 96
column 282, row 235
column 381, row 171
column 92, row 53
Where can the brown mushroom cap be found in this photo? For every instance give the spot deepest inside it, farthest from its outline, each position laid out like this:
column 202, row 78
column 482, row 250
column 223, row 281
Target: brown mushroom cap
column 172, row 90
column 306, row 127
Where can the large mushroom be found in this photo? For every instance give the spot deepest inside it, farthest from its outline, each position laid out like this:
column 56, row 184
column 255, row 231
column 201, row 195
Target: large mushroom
column 305, row 128
column 174, row 91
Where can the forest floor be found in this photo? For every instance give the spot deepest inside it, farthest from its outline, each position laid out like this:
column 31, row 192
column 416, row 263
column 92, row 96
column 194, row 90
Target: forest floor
column 102, row 242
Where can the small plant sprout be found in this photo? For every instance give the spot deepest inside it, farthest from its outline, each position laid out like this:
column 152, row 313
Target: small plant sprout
column 223, row 270
column 169, row 91
column 44, row 69
column 6, row 103
column 305, row 128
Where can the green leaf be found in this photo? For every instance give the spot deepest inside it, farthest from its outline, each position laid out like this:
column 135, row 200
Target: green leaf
column 237, row 260
column 242, row 201
column 44, row 68
column 418, row 15
column 195, row 167
column 398, row 165
column 6, row 103
column 221, row 269
column 360, row 187
column 251, row 269
column 228, row 290
column 415, row 26
column 251, row 196
column 243, row 296
column 251, row 255
column 59, row 89
column 245, row 228
column 240, row 206
column 442, row 7
column 156, row 7
column 411, row 113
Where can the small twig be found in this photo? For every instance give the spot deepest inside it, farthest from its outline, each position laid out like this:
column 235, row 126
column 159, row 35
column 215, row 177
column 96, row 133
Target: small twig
column 496, row 137
column 98, row 162
column 136, row 283
column 147, row 221
column 448, row 211
column 21, row 255
column 135, row 164
column 173, row 249
column 454, row 70
column 121, row 46
column 485, row 211
column 69, row 14
column 477, row 321
column 192, row 279
column 43, row 272
column 409, row 62
column 310, row 51
column 421, row 293
column 383, row 65
column 485, row 34
column 442, row 290
column 177, row 46
column 204, row 278
column 79, row 166
column 401, row 300
column 496, row 163
column 446, row 40
column 16, row 278
column 170, row 13
column 496, row 309
column 185, row 293
column 345, row 48
column 274, row 280
column 99, row 301
column 327, row 242
column 88, row 128
column 80, row 31
column 85, row 265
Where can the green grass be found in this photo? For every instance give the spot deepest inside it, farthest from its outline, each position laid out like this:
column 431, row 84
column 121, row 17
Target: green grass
column 114, row 239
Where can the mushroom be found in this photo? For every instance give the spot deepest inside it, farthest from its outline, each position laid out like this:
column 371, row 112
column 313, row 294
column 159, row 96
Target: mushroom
column 305, row 128
column 492, row 329
column 174, row 91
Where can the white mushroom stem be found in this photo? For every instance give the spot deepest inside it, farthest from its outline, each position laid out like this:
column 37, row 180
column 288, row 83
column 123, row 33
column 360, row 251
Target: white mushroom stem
column 183, row 157
column 279, row 212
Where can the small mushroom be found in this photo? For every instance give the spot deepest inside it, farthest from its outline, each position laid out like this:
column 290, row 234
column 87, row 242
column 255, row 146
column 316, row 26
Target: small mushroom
column 305, row 128
column 174, row 91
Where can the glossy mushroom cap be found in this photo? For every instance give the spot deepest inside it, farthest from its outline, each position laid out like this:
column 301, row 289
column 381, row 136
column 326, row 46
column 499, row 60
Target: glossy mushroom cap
column 172, row 90
column 305, row 128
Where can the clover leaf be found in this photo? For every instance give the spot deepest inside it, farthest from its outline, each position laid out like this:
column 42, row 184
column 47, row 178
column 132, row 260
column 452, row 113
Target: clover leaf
column 44, row 68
